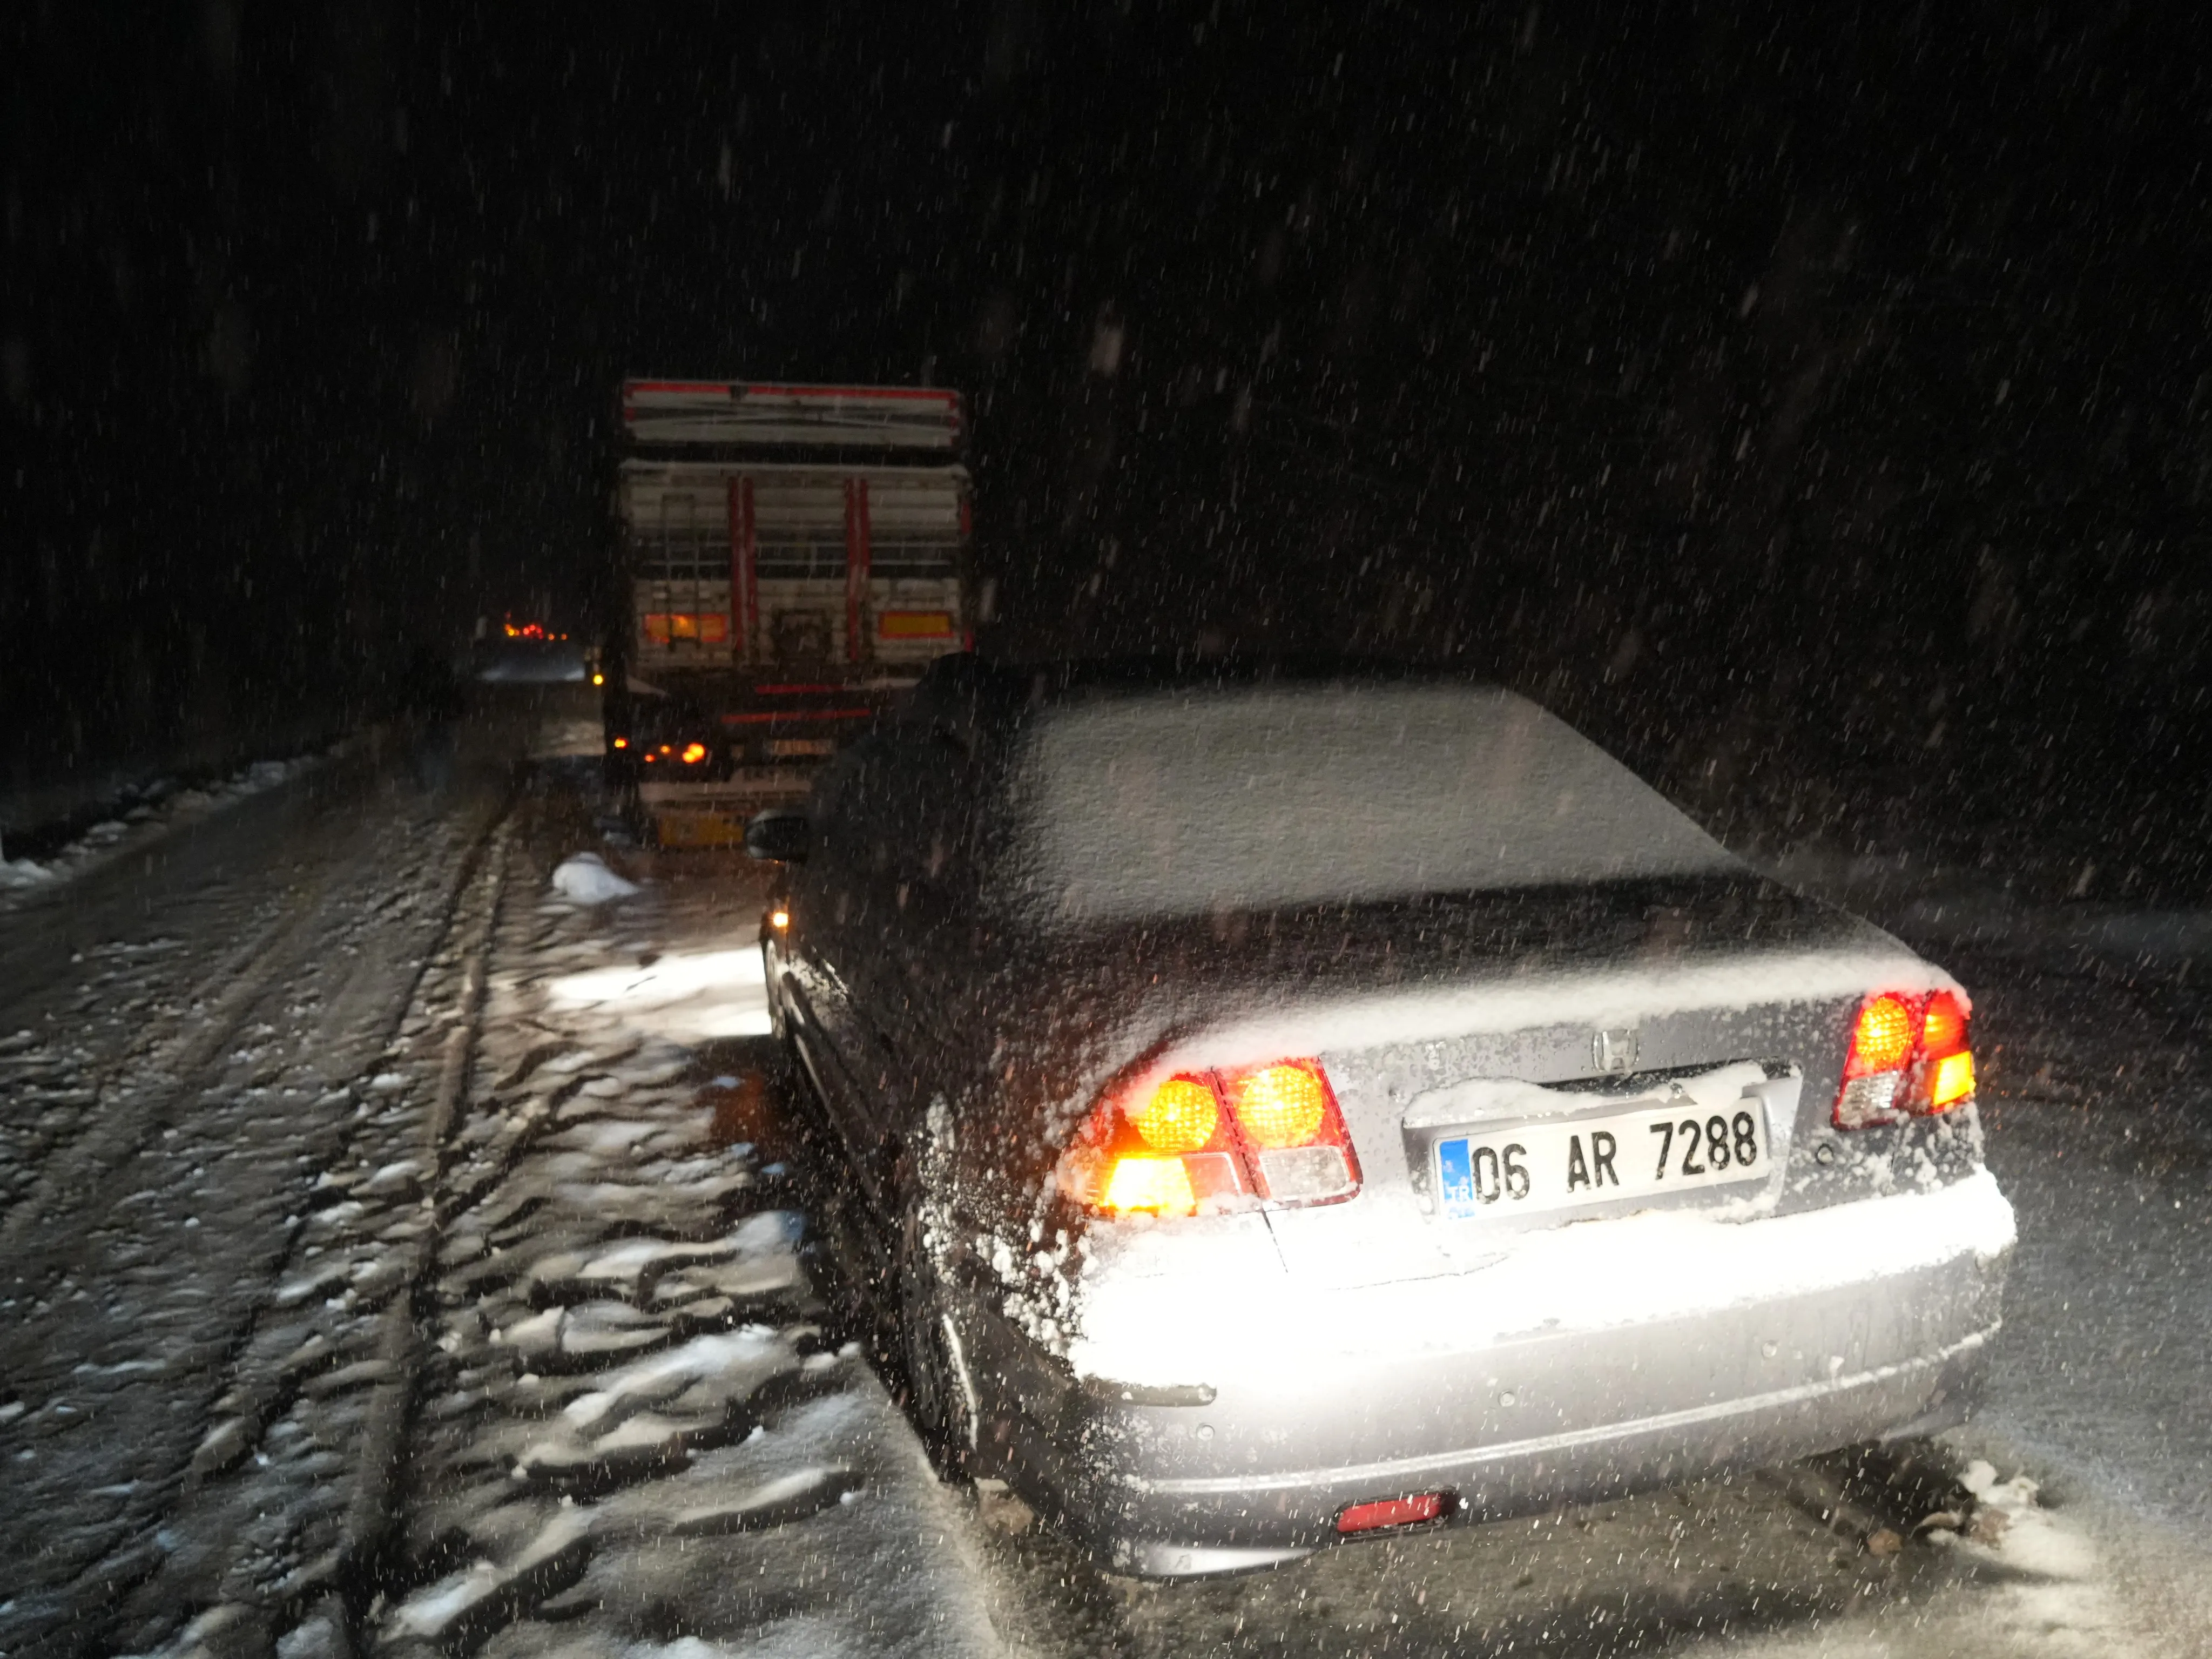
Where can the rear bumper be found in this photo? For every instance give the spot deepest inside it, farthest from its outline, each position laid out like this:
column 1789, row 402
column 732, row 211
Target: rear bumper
column 1260, row 1471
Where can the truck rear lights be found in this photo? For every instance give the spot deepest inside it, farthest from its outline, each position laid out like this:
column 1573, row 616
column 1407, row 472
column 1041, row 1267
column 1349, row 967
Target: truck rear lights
column 1908, row 1055
column 694, row 753
column 665, row 626
column 1413, row 1512
column 1271, row 1133
column 915, row 625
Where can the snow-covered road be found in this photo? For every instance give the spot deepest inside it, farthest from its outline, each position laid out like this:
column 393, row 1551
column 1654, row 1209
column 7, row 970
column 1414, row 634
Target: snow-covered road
column 193, row 1032
column 400, row 1256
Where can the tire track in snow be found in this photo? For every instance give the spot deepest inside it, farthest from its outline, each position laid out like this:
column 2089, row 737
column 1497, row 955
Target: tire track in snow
column 125, row 1112
column 344, row 1387
column 135, row 1571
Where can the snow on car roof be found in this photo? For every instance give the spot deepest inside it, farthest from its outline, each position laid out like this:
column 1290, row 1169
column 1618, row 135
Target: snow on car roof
column 1185, row 800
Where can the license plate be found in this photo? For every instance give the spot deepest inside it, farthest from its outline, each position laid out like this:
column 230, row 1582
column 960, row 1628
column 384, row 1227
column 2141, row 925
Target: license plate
column 1525, row 1168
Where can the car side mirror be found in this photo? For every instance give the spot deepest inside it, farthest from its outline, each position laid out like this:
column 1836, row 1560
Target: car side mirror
column 782, row 835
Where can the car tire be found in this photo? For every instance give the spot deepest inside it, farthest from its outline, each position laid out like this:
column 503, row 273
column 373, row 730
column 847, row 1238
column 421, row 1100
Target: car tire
column 779, row 1024
column 928, row 1352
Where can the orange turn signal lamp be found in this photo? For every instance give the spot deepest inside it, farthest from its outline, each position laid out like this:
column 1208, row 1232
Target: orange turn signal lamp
column 1908, row 1057
column 693, row 752
column 1269, row 1134
column 779, row 920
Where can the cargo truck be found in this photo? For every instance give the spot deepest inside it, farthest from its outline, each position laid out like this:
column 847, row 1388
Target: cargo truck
column 791, row 558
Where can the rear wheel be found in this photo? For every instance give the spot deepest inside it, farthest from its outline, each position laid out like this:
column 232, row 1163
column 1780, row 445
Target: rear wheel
column 779, row 1026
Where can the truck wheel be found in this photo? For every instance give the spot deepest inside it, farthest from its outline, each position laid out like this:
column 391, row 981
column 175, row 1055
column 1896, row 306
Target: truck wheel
column 929, row 1348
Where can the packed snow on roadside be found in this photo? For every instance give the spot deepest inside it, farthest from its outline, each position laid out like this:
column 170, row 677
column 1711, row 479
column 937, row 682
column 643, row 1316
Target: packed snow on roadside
column 585, row 877
column 150, row 810
column 633, row 1404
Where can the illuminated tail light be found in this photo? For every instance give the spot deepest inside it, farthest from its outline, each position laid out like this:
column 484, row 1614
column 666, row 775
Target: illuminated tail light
column 1269, row 1134
column 1293, row 1132
column 1952, row 1081
column 1946, row 1061
column 1908, row 1055
column 694, row 753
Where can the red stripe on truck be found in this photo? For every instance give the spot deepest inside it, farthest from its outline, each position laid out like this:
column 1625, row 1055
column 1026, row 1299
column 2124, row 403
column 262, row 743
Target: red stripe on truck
column 745, row 567
column 777, row 716
column 856, row 565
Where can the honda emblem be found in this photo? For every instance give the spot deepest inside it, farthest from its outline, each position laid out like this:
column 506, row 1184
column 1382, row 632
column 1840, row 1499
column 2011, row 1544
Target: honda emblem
column 1615, row 1051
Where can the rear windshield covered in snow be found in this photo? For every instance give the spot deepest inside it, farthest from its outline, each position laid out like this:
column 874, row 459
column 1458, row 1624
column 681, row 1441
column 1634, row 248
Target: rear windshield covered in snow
column 1182, row 802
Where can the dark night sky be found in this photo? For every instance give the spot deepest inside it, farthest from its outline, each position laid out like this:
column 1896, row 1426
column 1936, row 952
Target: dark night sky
column 1746, row 382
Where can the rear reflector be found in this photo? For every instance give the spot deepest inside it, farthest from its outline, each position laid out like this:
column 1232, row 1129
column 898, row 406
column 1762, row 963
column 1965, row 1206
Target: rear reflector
column 1394, row 1512
column 1305, row 1172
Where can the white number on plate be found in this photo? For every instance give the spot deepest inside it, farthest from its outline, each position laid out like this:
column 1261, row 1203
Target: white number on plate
column 1533, row 1166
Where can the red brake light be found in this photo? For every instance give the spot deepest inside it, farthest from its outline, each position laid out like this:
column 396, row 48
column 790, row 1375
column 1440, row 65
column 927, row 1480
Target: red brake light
column 1943, row 1028
column 1908, row 1054
column 1270, row 1132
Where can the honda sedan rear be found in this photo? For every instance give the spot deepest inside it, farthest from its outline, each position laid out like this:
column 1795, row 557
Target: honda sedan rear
column 1294, row 1108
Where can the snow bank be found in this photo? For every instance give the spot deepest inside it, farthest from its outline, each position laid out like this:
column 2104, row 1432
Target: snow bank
column 147, row 810
column 585, row 877
column 23, row 873
column 1177, row 804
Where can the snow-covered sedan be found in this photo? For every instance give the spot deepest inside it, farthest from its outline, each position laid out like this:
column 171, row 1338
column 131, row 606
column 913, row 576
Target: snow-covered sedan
column 1296, row 1107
